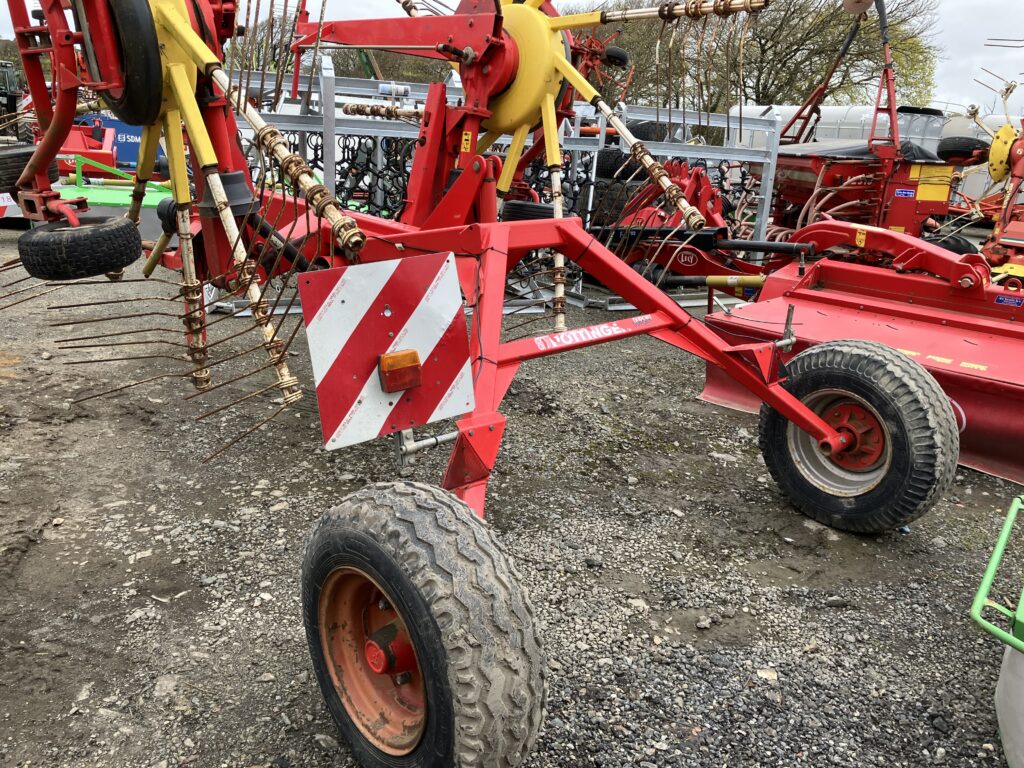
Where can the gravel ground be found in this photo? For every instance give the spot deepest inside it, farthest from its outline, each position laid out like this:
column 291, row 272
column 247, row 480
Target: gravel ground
column 149, row 610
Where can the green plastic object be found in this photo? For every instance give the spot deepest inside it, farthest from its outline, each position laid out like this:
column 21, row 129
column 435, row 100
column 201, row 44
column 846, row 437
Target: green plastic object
column 108, row 196
column 1014, row 636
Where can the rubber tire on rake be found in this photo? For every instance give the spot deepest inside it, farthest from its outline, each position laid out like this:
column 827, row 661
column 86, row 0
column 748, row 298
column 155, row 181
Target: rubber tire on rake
column 955, row 243
column 141, row 98
column 468, row 619
column 97, row 247
column 611, row 159
column 959, row 150
column 616, row 57
column 923, row 441
column 12, row 162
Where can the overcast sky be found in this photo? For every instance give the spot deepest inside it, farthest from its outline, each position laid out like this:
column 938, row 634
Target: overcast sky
column 963, row 28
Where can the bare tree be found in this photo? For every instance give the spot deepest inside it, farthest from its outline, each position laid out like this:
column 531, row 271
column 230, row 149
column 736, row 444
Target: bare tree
column 777, row 56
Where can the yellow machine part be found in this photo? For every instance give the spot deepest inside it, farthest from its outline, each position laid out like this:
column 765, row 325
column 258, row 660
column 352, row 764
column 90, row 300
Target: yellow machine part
column 539, row 46
column 999, row 154
column 933, row 181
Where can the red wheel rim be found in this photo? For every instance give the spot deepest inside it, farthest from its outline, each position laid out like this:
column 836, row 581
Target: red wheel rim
column 369, row 655
column 859, row 423
column 848, row 473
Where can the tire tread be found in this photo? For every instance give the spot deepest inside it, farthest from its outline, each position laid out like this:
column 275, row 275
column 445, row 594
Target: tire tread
column 495, row 660
column 931, row 431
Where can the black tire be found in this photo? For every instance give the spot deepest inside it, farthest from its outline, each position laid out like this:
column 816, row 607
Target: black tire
column 647, row 130
column 610, row 160
column 96, row 247
column 960, row 150
column 610, row 197
column 469, row 621
column 13, row 161
column 25, row 134
column 955, row 243
column 616, row 57
column 140, row 100
column 920, row 440
column 523, row 210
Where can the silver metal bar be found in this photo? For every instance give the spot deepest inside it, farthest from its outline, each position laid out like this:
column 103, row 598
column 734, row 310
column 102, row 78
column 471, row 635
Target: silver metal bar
column 329, row 142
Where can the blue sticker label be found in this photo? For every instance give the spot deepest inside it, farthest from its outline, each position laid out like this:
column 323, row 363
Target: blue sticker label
column 1013, row 301
column 905, row 193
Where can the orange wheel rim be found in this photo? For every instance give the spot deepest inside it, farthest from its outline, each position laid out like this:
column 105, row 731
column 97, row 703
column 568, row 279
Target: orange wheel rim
column 372, row 663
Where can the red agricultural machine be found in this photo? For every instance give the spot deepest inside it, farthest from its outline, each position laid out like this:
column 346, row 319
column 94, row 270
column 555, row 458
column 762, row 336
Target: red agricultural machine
column 422, row 640
column 846, row 260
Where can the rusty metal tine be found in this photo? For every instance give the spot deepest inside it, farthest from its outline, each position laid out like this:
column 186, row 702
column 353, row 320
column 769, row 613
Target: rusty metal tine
column 122, row 282
column 230, row 381
column 235, row 356
column 19, row 280
column 174, row 299
column 95, row 336
column 29, row 298
column 245, row 434
column 123, row 359
column 125, row 344
column 236, row 402
column 115, row 317
column 21, row 290
column 132, row 384
column 11, row 262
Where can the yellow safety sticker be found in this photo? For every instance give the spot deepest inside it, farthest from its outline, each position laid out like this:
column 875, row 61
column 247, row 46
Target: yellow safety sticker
column 862, row 237
column 467, row 141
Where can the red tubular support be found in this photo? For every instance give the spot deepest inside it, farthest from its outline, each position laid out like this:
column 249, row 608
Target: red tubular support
column 55, row 118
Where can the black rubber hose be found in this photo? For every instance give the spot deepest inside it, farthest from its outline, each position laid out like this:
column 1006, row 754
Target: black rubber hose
column 266, row 229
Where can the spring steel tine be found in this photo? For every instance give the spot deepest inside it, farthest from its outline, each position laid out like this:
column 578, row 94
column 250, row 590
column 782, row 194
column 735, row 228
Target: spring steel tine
column 230, row 381
column 245, row 331
column 123, row 359
column 133, row 384
column 21, row 290
column 150, row 281
column 299, row 325
column 116, row 317
column 285, row 316
column 19, row 280
column 11, row 263
column 29, row 298
column 235, row 356
column 125, row 344
column 93, row 337
column 245, row 434
column 174, row 299
column 237, row 402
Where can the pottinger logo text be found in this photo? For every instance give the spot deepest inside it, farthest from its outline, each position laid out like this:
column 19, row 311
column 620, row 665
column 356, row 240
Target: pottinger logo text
column 578, row 335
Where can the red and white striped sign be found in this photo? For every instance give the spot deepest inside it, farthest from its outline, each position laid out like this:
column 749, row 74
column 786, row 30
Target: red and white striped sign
column 355, row 314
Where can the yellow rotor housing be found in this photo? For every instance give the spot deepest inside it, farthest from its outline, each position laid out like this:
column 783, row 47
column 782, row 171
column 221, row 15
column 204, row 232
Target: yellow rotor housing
column 999, row 154
column 537, row 77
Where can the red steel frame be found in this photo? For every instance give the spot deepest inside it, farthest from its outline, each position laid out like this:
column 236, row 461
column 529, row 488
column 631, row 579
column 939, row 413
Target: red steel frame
column 462, row 219
column 940, row 308
column 459, row 217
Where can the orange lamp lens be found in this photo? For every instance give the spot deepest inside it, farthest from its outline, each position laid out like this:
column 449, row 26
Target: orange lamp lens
column 400, row 370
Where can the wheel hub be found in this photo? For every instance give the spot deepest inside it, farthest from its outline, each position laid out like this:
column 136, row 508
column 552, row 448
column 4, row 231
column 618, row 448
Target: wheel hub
column 867, row 438
column 858, row 468
column 389, row 652
column 372, row 662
